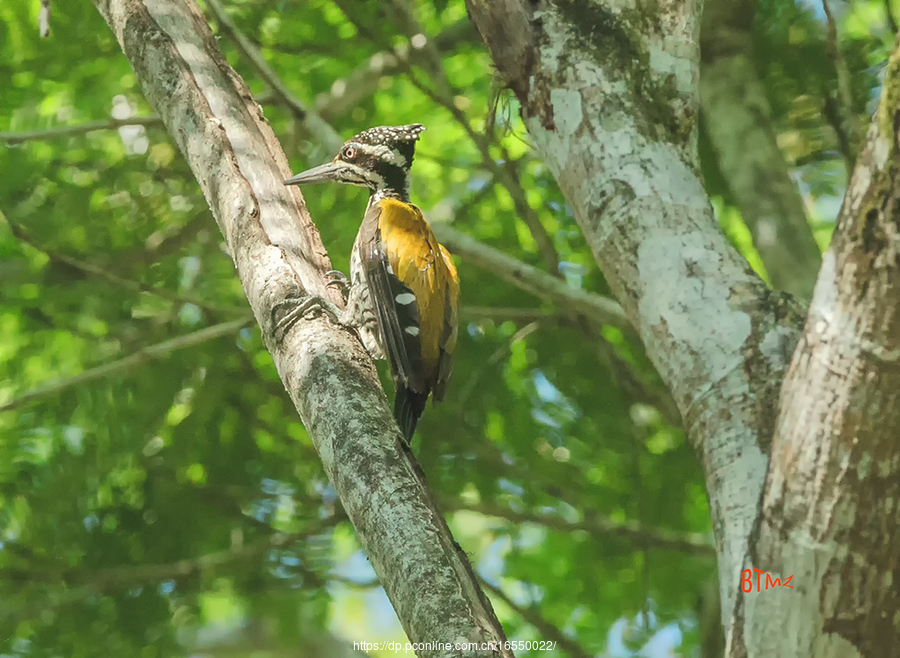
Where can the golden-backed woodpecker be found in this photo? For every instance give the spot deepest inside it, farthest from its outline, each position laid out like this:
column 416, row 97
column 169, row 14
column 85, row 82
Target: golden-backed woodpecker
column 404, row 290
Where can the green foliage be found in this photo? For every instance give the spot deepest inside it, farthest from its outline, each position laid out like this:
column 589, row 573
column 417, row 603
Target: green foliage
column 178, row 506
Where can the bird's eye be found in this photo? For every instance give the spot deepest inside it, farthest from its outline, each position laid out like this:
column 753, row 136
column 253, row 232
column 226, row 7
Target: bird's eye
column 349, row 153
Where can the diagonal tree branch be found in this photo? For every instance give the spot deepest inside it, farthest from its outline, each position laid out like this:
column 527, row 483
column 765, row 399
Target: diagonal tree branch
column 320, row 132
column 831, row 112
column 362, row 82
column 167, row 240
column 849, row 122
column 278, row 255
column 739, row 123
column 530, row 278
column 891, row 18
column 604, row 527
column 142, row 356
column 502, row 314
column 81, row 584
column 533, row 616
column 111, row 277
column 78, row 129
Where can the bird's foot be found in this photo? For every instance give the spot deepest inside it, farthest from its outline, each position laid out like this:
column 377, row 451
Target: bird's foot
column 289, row 311
column 340, row 280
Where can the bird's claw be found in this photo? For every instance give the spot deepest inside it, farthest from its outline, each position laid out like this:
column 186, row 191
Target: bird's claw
column 340, row 280
column 336, row 277
column 299, row 308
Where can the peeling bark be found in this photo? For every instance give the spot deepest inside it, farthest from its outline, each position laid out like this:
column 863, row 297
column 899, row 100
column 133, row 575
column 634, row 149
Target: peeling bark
column 830, row 513
column 278, row 255
column 609, row 95
column 739, row 123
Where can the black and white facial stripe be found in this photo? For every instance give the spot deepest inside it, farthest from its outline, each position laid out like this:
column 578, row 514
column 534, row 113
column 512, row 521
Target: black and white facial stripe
column 382, row 158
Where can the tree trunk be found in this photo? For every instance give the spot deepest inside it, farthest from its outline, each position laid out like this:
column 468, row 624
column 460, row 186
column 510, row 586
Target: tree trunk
column 609, row 95
column 612, row 108
column 829, row 516
column 233, row 152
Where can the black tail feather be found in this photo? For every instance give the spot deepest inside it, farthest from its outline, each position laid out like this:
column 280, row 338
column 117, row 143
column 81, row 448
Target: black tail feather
column 408, row 408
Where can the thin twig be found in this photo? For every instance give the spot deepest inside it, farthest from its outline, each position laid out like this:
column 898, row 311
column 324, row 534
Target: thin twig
column 531, row 279
column 503, row 314
column 633, row 381
column 432, row 61
column 891, row 19
column 322, row 133
column 832, row 114
column 372, row 583
column 169, row 240
column 77, row 129
column 138, row 358
column 845, row 92
column 474, row 379
column 164, row 242
column 636, row 446
column 347, row 92
column 533, row 616
column 111, row 277
column 84, row 584
column 602, row 527
column 567, row 490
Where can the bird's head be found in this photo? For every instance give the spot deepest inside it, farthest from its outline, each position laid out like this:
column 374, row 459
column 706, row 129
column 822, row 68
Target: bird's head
column 378, row 158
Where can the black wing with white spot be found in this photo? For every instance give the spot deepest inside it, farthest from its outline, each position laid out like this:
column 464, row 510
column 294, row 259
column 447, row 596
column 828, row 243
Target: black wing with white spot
column 395, row 307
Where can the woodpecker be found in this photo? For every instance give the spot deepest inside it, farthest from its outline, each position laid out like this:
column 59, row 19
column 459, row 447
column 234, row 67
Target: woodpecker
column 404, row 290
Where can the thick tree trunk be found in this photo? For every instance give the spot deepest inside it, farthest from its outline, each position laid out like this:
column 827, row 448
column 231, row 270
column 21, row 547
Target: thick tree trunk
column 830, row 513
column 233, row 153
column 610, row 98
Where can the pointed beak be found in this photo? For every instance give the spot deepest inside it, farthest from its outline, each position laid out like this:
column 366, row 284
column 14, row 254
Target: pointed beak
column 325, row 173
